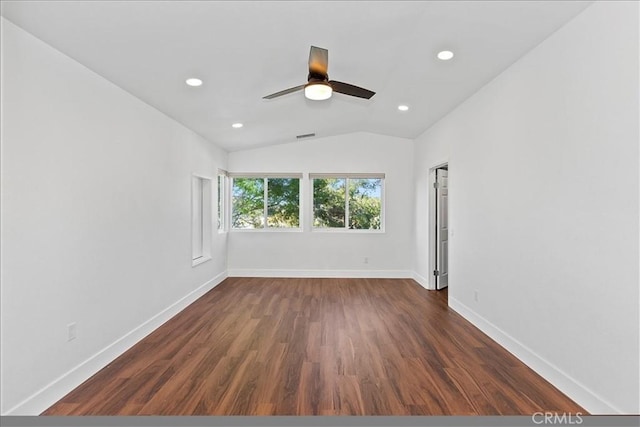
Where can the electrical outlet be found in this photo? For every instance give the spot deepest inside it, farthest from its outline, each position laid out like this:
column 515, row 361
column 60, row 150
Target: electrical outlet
column 366, row 260
column 475, row 296
column 72, row 331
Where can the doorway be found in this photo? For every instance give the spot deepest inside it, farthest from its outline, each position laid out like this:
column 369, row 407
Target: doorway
column 439, row 226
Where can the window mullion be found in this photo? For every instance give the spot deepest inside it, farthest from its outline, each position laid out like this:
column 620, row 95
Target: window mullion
column 346, row 204
column 266, row 206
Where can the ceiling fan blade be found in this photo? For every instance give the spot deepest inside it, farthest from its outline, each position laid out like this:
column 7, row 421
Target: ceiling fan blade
column 318, row 61
column 284, row 92
column 352, row 90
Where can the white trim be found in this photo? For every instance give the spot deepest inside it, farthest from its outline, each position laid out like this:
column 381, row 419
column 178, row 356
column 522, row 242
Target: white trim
column 205, row 216
column 58, row 388
column 200, row 260
column 54, row 391
column 586, row 398
column 221, row 201
column 197, row 175
column 348, row 175
column 295, row 175
column 267, row 230
column 432, row 234
column 347, row 178
column 347, row 230
column 383, row 204
column 347, row 274
column 265, row 197
column 265, row 202
column 422, row 281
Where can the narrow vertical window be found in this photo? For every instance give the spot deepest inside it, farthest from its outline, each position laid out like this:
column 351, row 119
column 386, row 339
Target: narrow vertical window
column 197, row 218
column 201, row 219
column 222, row 205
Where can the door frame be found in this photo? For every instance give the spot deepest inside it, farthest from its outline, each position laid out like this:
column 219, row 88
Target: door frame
column 433, row 236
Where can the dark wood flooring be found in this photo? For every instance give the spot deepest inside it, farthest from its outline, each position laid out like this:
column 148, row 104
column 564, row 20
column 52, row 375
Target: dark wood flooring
column 261, row 346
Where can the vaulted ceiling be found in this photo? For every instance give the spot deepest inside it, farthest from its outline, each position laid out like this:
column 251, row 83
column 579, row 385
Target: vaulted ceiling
column 245, row 50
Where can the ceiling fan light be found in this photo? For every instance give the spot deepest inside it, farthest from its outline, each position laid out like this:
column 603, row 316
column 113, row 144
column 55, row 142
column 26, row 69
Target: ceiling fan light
column 318, row 91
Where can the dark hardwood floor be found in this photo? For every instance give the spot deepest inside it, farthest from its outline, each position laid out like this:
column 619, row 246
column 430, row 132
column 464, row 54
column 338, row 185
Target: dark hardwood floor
column 261, row 346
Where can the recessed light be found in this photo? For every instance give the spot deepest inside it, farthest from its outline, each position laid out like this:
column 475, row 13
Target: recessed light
column 445, row 55
column 193, row 82
column 403, row 107
column 237, row 125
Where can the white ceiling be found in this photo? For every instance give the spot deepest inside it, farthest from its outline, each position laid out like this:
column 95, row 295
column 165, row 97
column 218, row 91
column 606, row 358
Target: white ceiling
column 246, row 50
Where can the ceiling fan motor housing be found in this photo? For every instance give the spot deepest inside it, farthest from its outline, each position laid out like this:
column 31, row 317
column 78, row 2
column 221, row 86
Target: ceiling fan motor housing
column 317, row 77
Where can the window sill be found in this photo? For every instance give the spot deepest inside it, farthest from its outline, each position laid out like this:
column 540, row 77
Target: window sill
column 266, row 230
column 346, row 231
column 200, row 260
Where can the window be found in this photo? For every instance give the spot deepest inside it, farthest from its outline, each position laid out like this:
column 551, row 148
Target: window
column 248, row 203
column 353, row 202
column 201, row 220
column 222, row 204
column 283, row 202
column 265, row 202
column 329, row 202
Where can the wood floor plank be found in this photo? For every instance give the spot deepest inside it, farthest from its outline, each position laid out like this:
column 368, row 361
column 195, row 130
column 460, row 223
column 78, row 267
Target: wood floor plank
column 274, row 346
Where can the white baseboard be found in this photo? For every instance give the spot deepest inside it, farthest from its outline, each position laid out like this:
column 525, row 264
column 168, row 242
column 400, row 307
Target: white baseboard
column 586, row 398
column 51, row 393
column 423, row 281
column 368, row 274
column 54, row 391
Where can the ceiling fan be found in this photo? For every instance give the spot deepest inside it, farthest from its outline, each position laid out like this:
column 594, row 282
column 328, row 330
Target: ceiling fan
column 318, row 86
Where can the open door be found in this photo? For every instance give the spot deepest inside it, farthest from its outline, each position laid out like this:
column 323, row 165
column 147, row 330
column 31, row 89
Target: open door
column 442, row 229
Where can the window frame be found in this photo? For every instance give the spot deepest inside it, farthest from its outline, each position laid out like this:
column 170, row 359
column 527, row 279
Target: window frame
column 347, row 177
column 201, row 218
column 265, row 212
column 222, row 201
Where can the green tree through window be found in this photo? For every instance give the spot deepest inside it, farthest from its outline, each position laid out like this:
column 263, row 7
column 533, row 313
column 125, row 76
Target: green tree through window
column 329, row 202
column 365, row 204
column 283, row 202
column 282, row 207
column 248, row 203
column 353, row 203
column 361, row 211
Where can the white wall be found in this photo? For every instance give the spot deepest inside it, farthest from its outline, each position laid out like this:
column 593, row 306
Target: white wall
column 96, row 217
column 544, row 197
column 427, row 156
column 329, row 253
column 543, row 180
